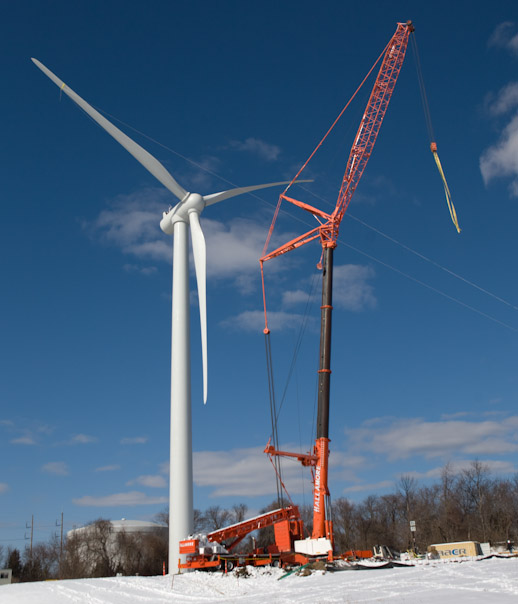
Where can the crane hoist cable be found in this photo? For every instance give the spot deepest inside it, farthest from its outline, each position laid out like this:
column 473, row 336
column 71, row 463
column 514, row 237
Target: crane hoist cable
column 433, row 144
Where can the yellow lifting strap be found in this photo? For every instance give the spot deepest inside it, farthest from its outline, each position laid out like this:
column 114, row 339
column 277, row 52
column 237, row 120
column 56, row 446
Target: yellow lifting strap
column 451, row 207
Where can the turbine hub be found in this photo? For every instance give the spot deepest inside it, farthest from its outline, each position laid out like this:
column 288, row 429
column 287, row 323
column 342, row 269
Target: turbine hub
column 193, row 202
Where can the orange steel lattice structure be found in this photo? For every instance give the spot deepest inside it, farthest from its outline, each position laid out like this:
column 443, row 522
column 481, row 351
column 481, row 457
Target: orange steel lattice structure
column 327, row 231
column 360, row 151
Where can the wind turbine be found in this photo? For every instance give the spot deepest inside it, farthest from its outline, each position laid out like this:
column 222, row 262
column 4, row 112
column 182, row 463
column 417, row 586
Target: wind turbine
column 176, row 222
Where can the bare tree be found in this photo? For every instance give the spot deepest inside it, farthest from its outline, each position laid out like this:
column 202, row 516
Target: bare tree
column 199, row 519
column 216, row 518
column 449, row 518
column 42, row 562
column 407, row 487
column 426, row 514
column 475, row 485
column 344, row 525
column 162, row 517
column 98, row 548
column 238, row 513
column 74, row 564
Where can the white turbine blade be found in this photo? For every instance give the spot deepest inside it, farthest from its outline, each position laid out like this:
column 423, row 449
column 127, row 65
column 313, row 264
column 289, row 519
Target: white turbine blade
column 140, row 154
column 200, row 266
column 216, row 197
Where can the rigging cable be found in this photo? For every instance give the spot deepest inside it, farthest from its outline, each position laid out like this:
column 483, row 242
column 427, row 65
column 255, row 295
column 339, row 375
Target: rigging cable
column 437, row 291
column 274, row 411
column 302, row 168
column 433, row 144
column 298, row 342
column 415, row 252
column 273, row 417
column 300, row 219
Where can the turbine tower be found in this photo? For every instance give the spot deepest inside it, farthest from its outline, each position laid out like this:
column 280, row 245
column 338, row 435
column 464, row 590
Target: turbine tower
column 177, row 222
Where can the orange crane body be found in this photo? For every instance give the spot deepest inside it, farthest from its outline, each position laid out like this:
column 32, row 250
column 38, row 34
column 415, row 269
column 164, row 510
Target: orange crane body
column 328, row 230
column 287, row 523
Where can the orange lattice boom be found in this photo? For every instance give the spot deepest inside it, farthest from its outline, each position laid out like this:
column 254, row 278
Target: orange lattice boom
column 361, row 150
column 327, row 231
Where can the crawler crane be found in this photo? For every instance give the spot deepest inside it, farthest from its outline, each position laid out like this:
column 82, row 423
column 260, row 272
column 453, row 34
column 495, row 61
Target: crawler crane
column 215, row 549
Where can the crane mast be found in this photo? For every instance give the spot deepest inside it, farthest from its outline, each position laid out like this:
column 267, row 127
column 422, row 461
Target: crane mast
column 359, row 155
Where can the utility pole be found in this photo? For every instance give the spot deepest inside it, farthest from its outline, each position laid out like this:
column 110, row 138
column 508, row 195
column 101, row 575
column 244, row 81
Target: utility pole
column 32, row 531
column 413, row 531
column 60, row 543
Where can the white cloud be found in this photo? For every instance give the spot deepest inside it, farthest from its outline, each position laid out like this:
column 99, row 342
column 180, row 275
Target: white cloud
column 245, row 473
column 457, row 466
column 234, row 249
column 505, row 35
column 131, row 498
column 45, row 429
column 153, row 481
column 23, row 440
column 4, row 487
column 384, row 484
column 454, row 415
column 82, row 439
column 31, row 435
column 6, row 422
column 500, row 467
column 59, row 468
column 258, row 147
column 504, row 101
column 111, row 468
column 501, row 159
column 345, row 466
column 404, row 438
column 135, row 440
column 350, row 288
column 201, row 173
column 132, row 223
column 351, row 291
column 253, row 320
column 143, row 270
column 295, row 297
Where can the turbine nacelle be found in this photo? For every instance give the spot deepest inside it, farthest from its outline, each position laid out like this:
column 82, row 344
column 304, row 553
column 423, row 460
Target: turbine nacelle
column 181, row 212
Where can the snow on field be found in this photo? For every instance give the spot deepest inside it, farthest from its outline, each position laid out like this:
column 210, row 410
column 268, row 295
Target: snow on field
column 487, row 581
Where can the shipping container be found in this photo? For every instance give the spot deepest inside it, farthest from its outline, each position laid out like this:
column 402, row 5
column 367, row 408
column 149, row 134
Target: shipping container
column 458, row 549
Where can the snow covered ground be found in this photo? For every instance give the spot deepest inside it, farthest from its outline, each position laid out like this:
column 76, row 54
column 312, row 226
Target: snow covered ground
column 485, row 581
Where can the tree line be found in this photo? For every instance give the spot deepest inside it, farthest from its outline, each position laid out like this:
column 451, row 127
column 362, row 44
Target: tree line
column 469, row 504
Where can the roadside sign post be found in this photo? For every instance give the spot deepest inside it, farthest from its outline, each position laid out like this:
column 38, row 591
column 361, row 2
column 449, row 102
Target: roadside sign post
column 413, row 530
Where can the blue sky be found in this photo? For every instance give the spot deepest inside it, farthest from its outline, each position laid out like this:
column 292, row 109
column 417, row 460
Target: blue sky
column 424, row 363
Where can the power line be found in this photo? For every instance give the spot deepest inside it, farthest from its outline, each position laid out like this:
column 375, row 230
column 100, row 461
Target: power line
column 434, row 289
column 379, row 232
column 416, row 253
column 426, row 259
